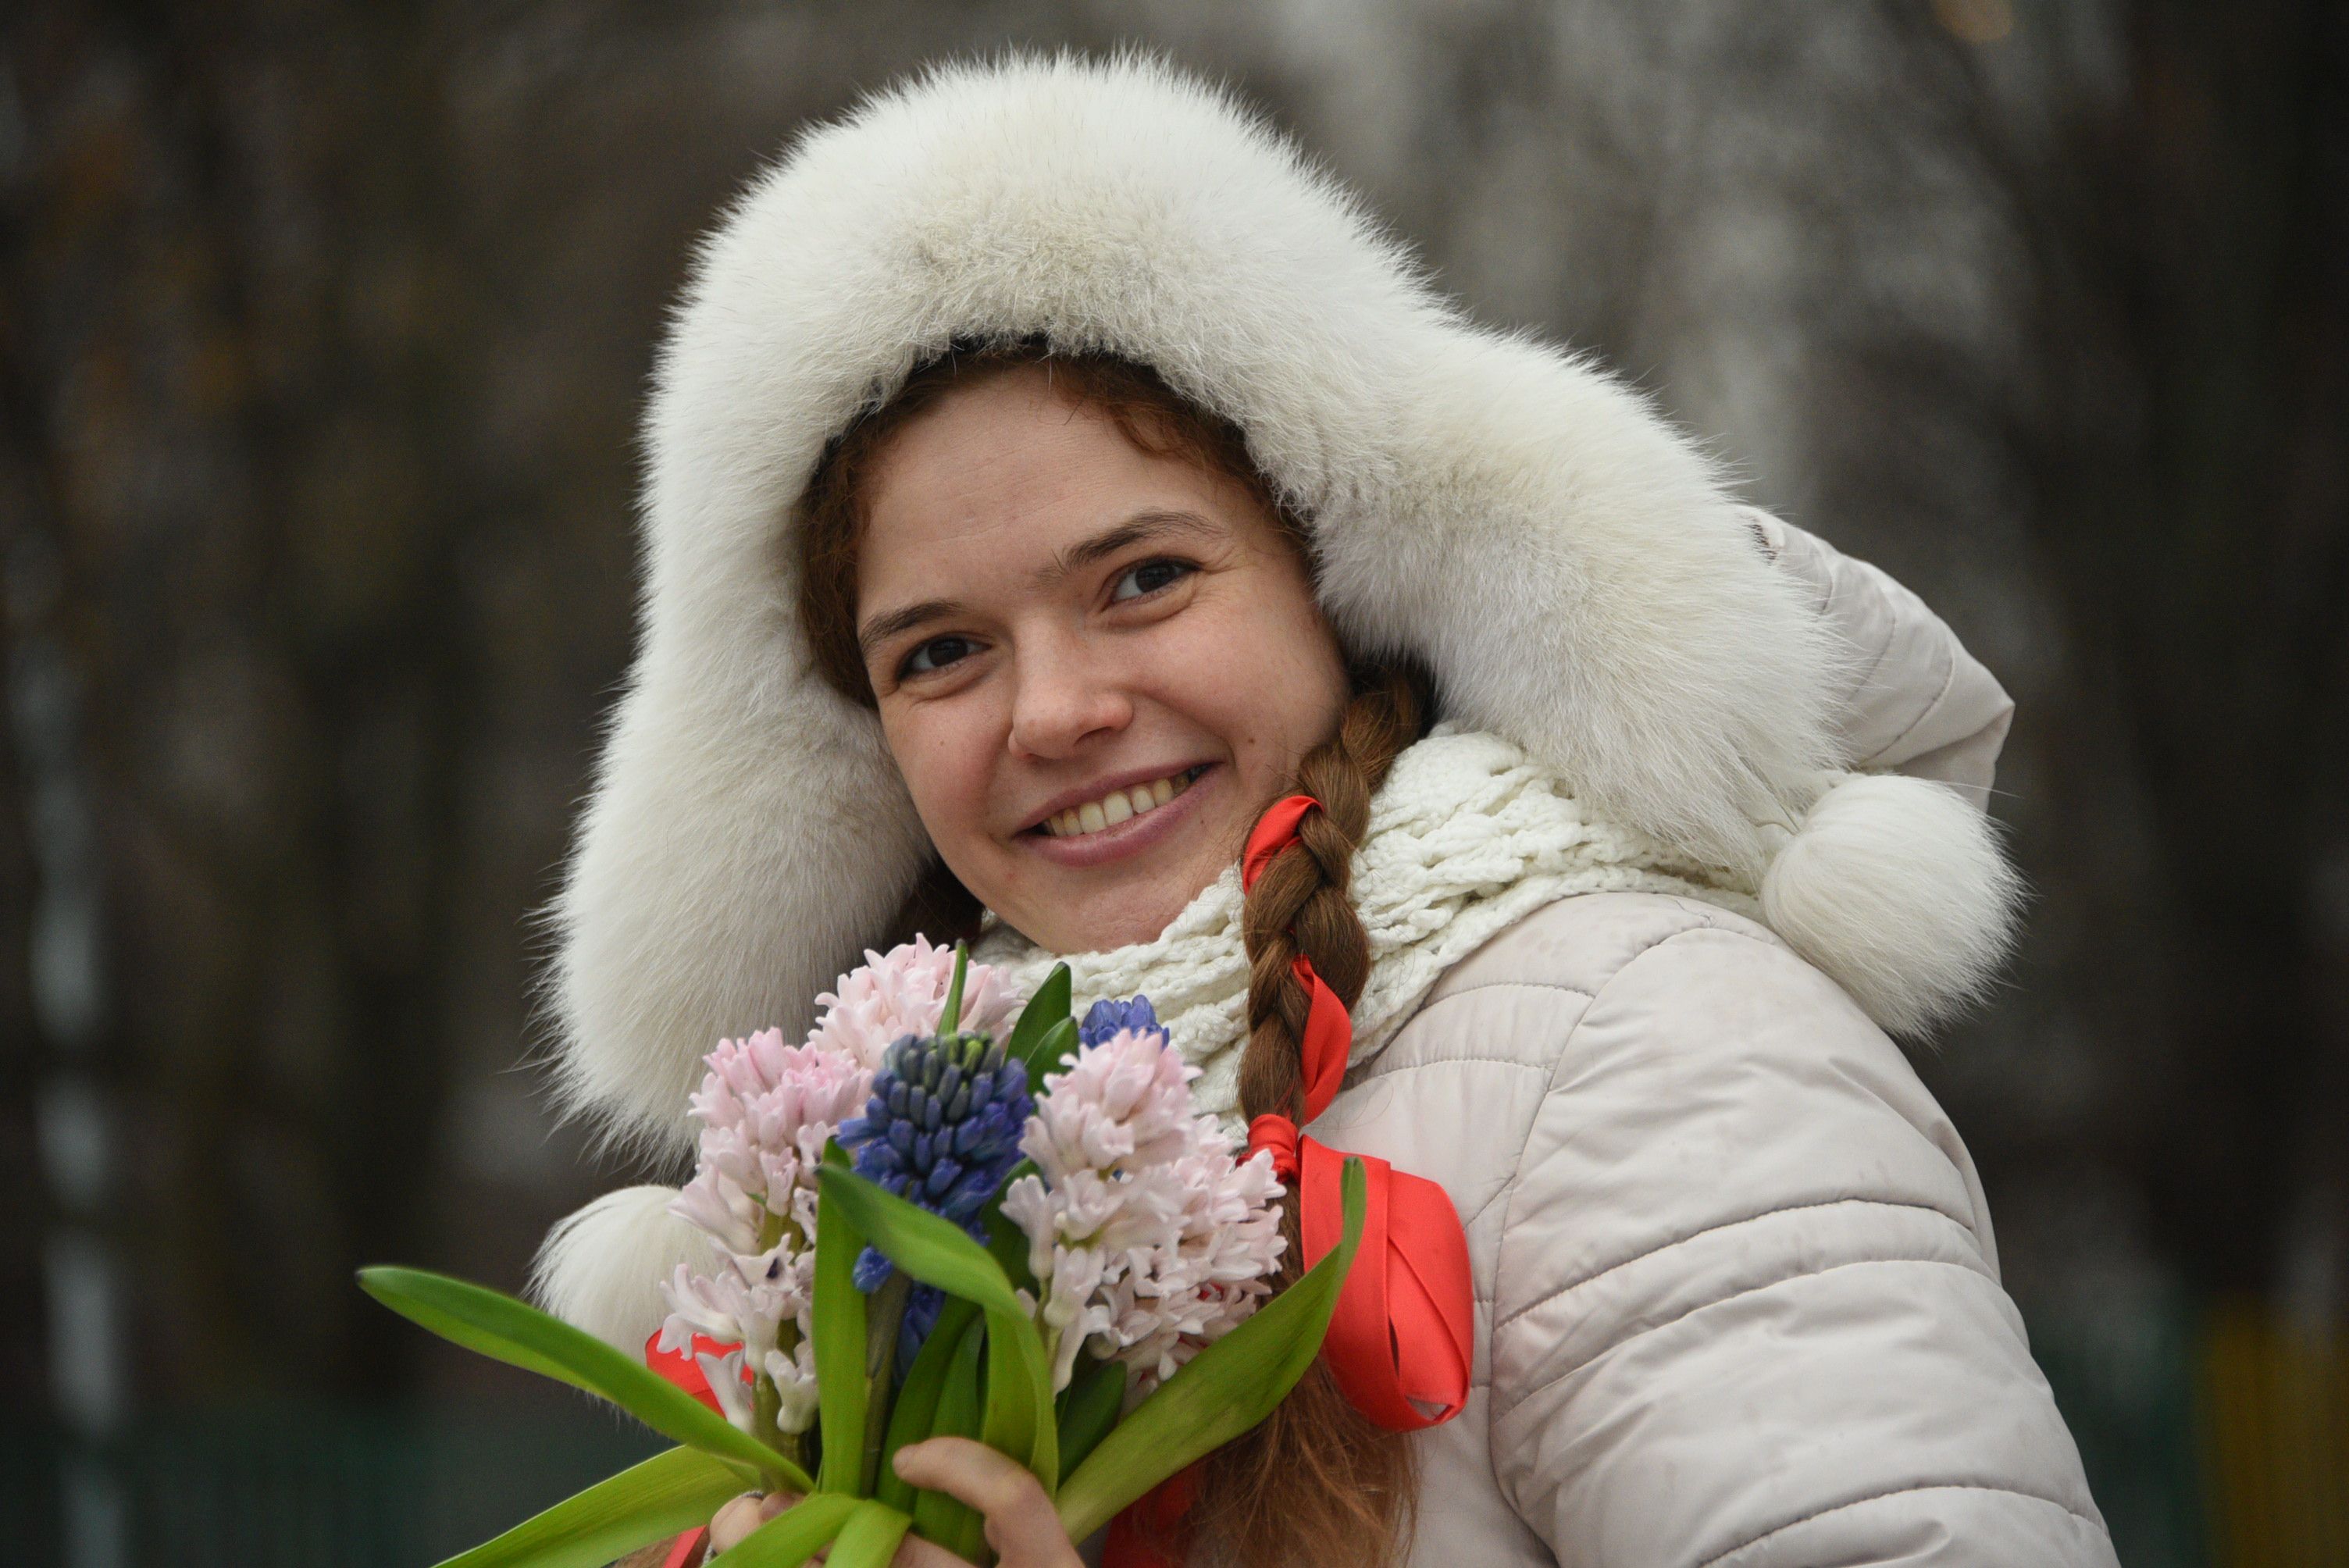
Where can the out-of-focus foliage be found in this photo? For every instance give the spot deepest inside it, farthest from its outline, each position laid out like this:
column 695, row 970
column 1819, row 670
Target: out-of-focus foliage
column 322, row 333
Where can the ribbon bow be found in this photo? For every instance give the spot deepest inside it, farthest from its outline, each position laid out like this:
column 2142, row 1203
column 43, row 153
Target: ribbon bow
column 1404, row 1330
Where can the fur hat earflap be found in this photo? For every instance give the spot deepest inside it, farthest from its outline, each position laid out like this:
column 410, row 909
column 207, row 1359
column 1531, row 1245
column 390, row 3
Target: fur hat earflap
column 602, row 1268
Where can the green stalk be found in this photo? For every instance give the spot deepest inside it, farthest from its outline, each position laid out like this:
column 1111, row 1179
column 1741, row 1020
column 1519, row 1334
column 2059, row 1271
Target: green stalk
column 766, row 1408
column 952, row 1016
column 884, row 1311
column 766, row 1404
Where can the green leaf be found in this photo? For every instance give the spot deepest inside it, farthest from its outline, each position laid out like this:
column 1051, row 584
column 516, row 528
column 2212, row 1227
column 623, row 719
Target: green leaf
column 1089, row 1409
column 1056, row 1043
column 498, row 1327
column 792, row 1536
column 936, row 1252
column 870, row 1537
column 669, row 1493
column 1018, row 1419
column 931, row 1249
column 1007, row 1243
column 916, row 1408
column 1049, row 1006
column 950, row 1016
column 1226, row 1389
column 840, row 1339
column 961, row 1402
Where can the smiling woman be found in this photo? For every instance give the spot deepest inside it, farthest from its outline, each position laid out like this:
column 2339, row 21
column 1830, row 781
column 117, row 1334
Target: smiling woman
column 1057, row 486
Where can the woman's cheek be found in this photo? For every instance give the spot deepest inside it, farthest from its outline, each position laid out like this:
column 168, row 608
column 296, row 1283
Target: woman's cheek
column 1270, row 686
column 944, row 764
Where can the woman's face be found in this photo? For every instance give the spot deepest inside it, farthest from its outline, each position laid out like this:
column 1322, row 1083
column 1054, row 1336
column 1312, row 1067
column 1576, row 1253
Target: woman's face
column 1095, row 666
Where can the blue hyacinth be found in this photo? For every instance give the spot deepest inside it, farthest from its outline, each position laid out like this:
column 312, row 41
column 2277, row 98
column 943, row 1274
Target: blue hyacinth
column 941, row 1130
column 1107, row 1017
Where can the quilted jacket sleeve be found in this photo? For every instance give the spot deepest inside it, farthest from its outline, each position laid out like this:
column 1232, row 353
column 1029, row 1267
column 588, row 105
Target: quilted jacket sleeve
column 1746, row 1309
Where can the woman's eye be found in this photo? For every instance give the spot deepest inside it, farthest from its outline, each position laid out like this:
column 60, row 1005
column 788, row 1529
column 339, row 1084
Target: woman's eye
column 1149, row 577
column 934, row 655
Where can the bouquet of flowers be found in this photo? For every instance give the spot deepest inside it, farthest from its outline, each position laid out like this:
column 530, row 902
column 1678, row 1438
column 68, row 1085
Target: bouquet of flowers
column 925, row 1225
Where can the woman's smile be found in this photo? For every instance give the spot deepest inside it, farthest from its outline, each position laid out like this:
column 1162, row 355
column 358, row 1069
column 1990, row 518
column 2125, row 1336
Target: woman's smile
column 1122, row 819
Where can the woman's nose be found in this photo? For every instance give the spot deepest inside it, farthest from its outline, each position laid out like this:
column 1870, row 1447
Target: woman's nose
column 1063, row 698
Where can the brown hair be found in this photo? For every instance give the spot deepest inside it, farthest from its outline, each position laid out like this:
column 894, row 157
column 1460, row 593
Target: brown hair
column 1317, row 1484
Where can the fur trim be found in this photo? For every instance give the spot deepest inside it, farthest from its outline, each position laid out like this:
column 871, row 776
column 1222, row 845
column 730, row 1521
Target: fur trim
column 1570, row 568
column 602, row 1268
column 1896, row 889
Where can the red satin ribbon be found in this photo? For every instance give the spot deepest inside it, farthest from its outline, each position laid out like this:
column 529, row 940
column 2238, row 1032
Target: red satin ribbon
column 1404, row 1330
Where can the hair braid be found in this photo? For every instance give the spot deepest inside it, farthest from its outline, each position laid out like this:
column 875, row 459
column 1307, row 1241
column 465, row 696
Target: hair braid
column 1317, row 1480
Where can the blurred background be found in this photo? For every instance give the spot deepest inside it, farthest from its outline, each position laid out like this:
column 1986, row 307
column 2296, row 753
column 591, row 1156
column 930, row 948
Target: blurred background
column 323, row 330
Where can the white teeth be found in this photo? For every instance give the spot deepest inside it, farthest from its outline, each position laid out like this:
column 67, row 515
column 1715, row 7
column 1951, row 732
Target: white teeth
column 1117, row 806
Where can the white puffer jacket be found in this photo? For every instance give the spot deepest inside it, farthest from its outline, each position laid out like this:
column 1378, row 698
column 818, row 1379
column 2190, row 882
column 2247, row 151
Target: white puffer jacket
column 1737, row 1300
column 1737, row 1297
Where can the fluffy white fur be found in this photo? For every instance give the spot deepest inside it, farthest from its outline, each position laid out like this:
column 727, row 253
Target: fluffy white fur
column 602, row 1268
column 1572, row 568
column 1897, row 888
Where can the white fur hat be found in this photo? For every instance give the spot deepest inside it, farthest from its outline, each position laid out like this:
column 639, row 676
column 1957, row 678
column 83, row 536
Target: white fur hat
column 1570, row 568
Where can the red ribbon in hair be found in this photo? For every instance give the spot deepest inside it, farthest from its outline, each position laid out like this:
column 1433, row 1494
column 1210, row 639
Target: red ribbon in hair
column 1404, row 1330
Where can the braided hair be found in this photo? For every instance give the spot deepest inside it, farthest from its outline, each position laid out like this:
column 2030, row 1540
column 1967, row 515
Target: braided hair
column 1317, row 1482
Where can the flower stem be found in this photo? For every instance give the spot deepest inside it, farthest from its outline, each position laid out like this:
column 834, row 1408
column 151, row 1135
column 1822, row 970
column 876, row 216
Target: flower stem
column 766, row 1405
column 883, row 1314
column 950, row 1018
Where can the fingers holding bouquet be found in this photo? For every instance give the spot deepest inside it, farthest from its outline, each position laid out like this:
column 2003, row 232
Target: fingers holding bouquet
column 1022, row 1528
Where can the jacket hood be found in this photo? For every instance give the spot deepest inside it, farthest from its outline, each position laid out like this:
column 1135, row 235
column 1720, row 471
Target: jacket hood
column 1570, row 568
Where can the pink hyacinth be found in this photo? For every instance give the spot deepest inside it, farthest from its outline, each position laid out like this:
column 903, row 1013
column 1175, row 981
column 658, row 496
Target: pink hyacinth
column 766, row 1110
column 1149, row 1239
column 904, row 992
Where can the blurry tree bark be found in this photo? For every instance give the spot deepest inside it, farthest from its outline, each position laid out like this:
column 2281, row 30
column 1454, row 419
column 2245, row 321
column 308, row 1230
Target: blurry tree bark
column 244, row 325
column 2189, row 444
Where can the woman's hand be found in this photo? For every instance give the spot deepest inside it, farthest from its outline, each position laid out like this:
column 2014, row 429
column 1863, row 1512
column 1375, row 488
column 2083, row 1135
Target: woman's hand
column 1021, row 1524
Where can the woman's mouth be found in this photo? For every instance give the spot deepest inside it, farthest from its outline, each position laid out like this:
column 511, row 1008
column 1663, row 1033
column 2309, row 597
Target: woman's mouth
column 1117, row 806
column 1117, row 824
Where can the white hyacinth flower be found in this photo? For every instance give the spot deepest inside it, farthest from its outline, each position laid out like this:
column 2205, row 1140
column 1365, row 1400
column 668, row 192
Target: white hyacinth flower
column 1150, row 1240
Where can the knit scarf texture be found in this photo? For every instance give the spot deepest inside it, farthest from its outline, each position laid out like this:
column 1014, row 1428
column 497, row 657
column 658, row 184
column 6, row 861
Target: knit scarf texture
column 1468, row 836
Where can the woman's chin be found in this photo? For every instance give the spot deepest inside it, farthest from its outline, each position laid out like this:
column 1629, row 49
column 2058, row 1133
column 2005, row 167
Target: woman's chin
column 1096, row 924
column 1137, row 907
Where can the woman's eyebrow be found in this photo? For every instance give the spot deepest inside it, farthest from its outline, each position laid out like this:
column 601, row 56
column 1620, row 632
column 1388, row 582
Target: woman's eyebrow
column 1142, row 527
column 880, row 629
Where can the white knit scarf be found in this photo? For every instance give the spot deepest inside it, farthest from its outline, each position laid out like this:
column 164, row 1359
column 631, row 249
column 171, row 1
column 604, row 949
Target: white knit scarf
column 1468, row 837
